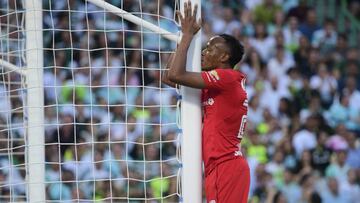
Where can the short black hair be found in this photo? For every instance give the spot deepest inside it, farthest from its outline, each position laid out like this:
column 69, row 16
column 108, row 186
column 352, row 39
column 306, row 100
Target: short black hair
column 236, row 49
column 329, row 21
column 315, row 198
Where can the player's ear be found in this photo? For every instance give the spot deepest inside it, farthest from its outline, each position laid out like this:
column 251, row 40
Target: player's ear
column 224, row 57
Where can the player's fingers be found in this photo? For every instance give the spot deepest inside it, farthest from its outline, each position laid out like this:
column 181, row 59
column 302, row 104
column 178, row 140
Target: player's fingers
column 195, row 11
column 188, row 10
column 180, row 16
column 185, row 9
column 177, row 16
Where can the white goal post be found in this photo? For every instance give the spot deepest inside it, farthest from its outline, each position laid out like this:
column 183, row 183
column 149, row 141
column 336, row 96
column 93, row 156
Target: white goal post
column 191, row 125
column 35, row 102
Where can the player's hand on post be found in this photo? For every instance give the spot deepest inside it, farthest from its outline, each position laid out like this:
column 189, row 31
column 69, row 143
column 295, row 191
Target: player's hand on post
column 189, row 25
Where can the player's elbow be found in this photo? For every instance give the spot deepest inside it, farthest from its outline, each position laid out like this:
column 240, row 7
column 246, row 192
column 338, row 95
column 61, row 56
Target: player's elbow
column 167, row 82
column 172, row 76
column 177, row 77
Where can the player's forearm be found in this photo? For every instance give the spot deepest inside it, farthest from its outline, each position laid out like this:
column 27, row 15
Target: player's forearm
column 165, row 75
column 178, row 67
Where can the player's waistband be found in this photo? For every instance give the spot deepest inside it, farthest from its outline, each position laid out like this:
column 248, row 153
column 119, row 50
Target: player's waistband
column 215, row 163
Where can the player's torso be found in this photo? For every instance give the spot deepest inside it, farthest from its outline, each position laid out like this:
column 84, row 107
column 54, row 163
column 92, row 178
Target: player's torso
column 223, row 112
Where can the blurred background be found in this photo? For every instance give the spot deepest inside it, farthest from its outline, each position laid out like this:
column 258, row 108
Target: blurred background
column 303, row 82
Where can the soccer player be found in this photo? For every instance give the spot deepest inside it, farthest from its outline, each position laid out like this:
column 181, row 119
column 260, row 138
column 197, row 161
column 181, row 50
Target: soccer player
column 224, row 102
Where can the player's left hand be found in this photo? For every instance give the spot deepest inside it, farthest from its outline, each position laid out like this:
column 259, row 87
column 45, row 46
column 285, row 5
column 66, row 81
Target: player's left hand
column 189, row 25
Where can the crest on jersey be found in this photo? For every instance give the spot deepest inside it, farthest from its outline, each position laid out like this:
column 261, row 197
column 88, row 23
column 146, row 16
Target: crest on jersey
column 210, row 101
column 214, row 74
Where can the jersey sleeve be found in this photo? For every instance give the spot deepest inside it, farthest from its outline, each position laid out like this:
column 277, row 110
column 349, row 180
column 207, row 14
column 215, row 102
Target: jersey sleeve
column 218, row 79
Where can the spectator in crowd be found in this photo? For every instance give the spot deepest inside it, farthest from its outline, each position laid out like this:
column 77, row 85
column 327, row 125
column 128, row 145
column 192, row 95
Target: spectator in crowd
column 305, row 139
column 266, row 11
column 324, row 83
column 291, row 188
column 292, row 34
column 325, row 37
column 350, row 187
column 321, row 154
column 339, row 168
column 262, row 42
column 353, row 156
column 299, row 11
column 354, row 94
column 343, row 113
column 332, row 193
column 280, row 64
column 309, row 26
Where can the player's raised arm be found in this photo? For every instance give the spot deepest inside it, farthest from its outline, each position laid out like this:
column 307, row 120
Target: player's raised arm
column 189, row 27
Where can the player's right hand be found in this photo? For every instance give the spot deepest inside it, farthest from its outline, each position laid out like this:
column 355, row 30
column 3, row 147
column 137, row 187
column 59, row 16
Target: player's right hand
column 189, row 25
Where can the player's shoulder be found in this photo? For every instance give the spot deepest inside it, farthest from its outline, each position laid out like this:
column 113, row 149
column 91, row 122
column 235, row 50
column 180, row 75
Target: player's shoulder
column 231, row 72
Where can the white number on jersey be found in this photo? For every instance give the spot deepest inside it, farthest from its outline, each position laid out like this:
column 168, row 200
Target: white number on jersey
column 242, row 126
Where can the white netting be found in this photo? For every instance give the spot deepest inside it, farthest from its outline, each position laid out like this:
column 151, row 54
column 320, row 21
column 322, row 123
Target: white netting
column 12, row 100
column 110, row 124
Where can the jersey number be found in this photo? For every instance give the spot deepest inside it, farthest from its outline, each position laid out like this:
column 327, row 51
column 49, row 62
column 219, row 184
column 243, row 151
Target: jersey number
column 242, row 126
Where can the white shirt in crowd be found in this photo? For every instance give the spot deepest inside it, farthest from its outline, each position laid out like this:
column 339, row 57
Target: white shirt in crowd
column 304, row 140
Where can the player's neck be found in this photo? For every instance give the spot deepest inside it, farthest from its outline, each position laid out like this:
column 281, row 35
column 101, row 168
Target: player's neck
column 225, row 66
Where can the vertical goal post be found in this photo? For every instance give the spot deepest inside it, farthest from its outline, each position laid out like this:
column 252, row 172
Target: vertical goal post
column 191, row 124
column 35, row 137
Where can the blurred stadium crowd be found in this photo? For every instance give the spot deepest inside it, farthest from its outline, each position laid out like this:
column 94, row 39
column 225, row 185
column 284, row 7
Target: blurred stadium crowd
column 103, row 119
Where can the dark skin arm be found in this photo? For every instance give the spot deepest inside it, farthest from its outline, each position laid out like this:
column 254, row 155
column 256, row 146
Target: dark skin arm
column 177, row 72
column 165, row 76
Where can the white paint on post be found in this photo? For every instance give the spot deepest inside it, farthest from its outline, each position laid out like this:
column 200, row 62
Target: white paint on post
column 191, row 125
column 35, row 102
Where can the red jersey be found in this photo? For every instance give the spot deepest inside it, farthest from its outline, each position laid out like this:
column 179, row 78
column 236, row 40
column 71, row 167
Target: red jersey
column 224, row 102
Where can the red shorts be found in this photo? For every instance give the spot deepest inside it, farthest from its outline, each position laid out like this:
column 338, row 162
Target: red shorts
column 228, row 182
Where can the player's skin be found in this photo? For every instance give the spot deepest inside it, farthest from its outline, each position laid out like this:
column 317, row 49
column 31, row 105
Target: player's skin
column 215, row 55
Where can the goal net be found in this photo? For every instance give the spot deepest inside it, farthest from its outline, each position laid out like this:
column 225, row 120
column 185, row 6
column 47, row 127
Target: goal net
column 111, row 129
column 12, row 102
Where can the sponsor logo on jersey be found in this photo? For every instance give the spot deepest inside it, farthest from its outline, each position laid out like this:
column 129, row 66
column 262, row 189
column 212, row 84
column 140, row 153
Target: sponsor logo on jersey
column 238, row 153
column 208, row 102
column 214, row 74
